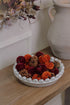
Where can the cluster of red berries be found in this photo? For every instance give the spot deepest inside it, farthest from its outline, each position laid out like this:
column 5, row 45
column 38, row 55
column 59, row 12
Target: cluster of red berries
column 38, row 66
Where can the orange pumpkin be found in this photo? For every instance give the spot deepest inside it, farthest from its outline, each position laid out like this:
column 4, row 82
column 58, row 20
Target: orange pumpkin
column 46, row 58
column 36, row 76
column 40, row 60
column 27, row 57
column 49, row 65
column 43, row 59
column 45, row 75
column 27, row 67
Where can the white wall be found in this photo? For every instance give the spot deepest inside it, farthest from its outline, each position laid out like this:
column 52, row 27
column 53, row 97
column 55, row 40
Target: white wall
column 40, row 27
column 39, row 31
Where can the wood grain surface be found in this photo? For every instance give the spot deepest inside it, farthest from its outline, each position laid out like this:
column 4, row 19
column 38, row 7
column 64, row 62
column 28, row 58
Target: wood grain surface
column 13, row 92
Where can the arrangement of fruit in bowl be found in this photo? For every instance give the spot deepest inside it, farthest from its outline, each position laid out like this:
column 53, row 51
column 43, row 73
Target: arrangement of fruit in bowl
column 38, row 70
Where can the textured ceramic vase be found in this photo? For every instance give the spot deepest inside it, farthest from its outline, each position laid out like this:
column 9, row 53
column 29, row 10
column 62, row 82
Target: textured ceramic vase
column 59, row 31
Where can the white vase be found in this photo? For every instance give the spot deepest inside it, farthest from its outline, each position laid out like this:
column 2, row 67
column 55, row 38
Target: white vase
column 59, row 31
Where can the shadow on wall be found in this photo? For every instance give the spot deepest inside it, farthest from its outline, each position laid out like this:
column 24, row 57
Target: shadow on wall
column 39, row 31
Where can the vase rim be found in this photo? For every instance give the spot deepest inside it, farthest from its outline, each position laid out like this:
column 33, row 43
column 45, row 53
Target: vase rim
column 62, row 3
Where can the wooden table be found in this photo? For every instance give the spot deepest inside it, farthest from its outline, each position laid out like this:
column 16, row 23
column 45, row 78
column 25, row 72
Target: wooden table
column 12, row 92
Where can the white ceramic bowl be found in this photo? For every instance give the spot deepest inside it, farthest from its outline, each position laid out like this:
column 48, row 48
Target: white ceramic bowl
column 40, row 83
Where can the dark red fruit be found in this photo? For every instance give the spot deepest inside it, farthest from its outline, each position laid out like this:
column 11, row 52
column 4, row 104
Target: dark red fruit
column 20, row 66
column 7, row 19
column 36, row 7
column 20, row 59
column 39, row 70
column 43, row 67
column 24, row 17
column 55, row 71
column 31, row 16
column 32, row 70
column 39, row 54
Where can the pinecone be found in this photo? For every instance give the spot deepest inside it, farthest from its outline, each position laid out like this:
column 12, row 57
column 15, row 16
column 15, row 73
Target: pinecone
column 25, row 73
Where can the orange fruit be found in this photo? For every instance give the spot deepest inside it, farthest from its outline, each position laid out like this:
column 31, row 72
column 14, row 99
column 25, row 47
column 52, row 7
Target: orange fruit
column 27, row 57
column 39, row 78
column 49, row 65
column 46, row 58
column 27, row 67
column 45, row 75
column 40, row 60
column 36, row 76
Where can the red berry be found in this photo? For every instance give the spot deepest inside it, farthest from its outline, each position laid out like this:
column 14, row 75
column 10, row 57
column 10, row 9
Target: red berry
column 7, row 19
column 20, row 66
column 55, row 71
column 24, row 17
column 36, row 7
column 31, row 16
column 43, row 67
column 39, row 70
column 39, row 54
column 20, row 59
column 32, row 70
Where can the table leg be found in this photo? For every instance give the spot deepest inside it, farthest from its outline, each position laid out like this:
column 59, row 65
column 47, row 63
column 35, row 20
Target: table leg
column 67, row 96
column 57, row 100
